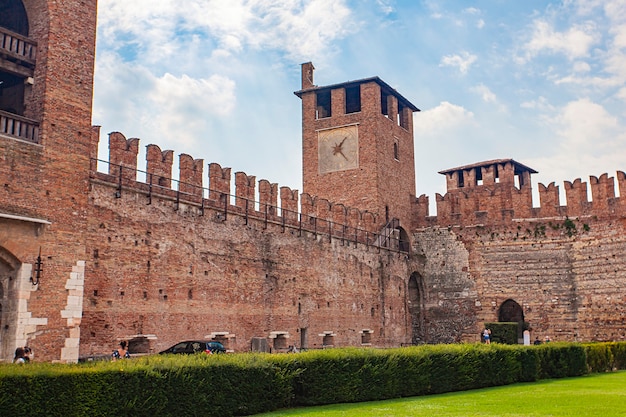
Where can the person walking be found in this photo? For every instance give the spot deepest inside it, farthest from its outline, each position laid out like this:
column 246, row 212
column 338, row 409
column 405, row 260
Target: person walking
column 487, row 336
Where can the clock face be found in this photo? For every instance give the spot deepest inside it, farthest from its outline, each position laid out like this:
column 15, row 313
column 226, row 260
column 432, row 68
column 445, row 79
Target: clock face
column 338, row 149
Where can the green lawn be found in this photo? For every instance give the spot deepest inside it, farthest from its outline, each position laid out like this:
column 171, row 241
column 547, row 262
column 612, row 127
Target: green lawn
column 592, row 395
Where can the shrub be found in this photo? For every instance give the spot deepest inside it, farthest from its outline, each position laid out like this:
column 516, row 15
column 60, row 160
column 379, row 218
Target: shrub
column 243, row 384
column 503, row 332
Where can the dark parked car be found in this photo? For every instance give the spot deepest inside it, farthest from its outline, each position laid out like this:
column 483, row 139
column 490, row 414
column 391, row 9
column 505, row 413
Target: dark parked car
column 196, row 346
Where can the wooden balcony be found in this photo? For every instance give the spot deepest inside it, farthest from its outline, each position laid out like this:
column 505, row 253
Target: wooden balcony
column 17, row 53
column 19, row 127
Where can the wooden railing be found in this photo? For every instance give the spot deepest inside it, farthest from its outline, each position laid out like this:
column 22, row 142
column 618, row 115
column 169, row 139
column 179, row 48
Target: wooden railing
column 19, row 127
column 17, row 46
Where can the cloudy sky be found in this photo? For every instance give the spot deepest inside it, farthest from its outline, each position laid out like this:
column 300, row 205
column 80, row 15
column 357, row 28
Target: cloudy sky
column 542, row 82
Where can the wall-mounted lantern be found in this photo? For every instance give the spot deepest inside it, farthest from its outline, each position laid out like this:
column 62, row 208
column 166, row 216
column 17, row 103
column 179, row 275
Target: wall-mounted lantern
column 38, row 270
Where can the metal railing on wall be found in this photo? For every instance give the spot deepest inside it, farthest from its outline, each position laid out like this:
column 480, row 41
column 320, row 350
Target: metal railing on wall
column 249, row 209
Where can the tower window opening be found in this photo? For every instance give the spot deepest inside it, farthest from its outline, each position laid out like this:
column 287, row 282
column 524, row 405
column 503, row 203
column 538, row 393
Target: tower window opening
column 323, row 105
column 479, row 176
column 402, row 117
column 383, row 104
column 353, row 99
column 396, row 152
column 461, row 183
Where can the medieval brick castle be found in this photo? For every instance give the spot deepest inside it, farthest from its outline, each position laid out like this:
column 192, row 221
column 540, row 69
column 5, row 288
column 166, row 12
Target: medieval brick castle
column 93, row 252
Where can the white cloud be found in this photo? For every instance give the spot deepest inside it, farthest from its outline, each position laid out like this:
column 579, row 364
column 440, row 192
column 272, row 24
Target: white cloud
column 161, row 107
column 586, row 126
column 581, row 67
column 485, row 93
column 463, row 61
column 445, row 116
column 480, row 24
column 621, row 94
column 589, row 142
column 573, row 43
column 541, row 104
column 298, row 29
column 385, row 6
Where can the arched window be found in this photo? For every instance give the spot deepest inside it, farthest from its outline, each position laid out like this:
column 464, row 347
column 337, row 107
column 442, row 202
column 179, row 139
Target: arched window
column 404, row 243
column 13, row 16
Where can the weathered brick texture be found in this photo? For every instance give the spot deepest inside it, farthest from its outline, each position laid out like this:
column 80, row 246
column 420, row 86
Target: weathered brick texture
column 158, row 261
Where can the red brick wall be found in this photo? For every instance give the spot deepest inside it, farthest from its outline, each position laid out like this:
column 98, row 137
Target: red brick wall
column 176, row 274
column 49, row 180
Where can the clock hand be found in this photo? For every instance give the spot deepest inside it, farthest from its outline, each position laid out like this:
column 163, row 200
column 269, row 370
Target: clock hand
column 338, row 148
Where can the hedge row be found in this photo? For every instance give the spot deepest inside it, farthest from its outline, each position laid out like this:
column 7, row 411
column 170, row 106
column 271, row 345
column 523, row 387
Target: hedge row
column 244, row 384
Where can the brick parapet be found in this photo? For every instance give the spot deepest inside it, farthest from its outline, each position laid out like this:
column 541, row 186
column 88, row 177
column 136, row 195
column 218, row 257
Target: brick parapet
column 159, row 166
column 291, row 209
column 493, row 203
column 191, row 171
column 123, row 153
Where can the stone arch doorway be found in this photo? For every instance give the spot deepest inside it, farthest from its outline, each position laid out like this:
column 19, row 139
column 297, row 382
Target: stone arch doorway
column 9, row 269
column 510, row 311
column 415, row 300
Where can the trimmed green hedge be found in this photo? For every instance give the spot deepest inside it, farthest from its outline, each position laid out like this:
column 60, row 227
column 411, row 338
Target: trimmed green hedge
column 605, row 357
column 503, row 332
column 243, row 384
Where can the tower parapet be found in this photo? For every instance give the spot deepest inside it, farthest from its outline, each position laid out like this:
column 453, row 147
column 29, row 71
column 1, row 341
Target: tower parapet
column 499, row 191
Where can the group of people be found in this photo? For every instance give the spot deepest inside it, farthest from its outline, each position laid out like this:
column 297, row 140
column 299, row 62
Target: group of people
column 23, row 354
column 538, row 342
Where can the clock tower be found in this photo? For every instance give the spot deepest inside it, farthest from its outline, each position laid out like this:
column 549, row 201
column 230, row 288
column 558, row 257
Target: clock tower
column 357, row 146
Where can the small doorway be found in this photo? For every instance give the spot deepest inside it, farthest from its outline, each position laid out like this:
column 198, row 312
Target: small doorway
column 304, row 343
column 416, row 307
column 511, row 312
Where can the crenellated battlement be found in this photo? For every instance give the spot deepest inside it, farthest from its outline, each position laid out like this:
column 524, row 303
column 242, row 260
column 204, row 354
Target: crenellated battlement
column 499, row 191
column 286, row 208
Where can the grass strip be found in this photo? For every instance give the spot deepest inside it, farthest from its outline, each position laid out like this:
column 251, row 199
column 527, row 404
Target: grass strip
column 591, row 395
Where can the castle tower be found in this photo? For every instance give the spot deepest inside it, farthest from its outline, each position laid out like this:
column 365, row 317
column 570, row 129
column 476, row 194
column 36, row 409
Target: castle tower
column 47, row 51
column 357, row 142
